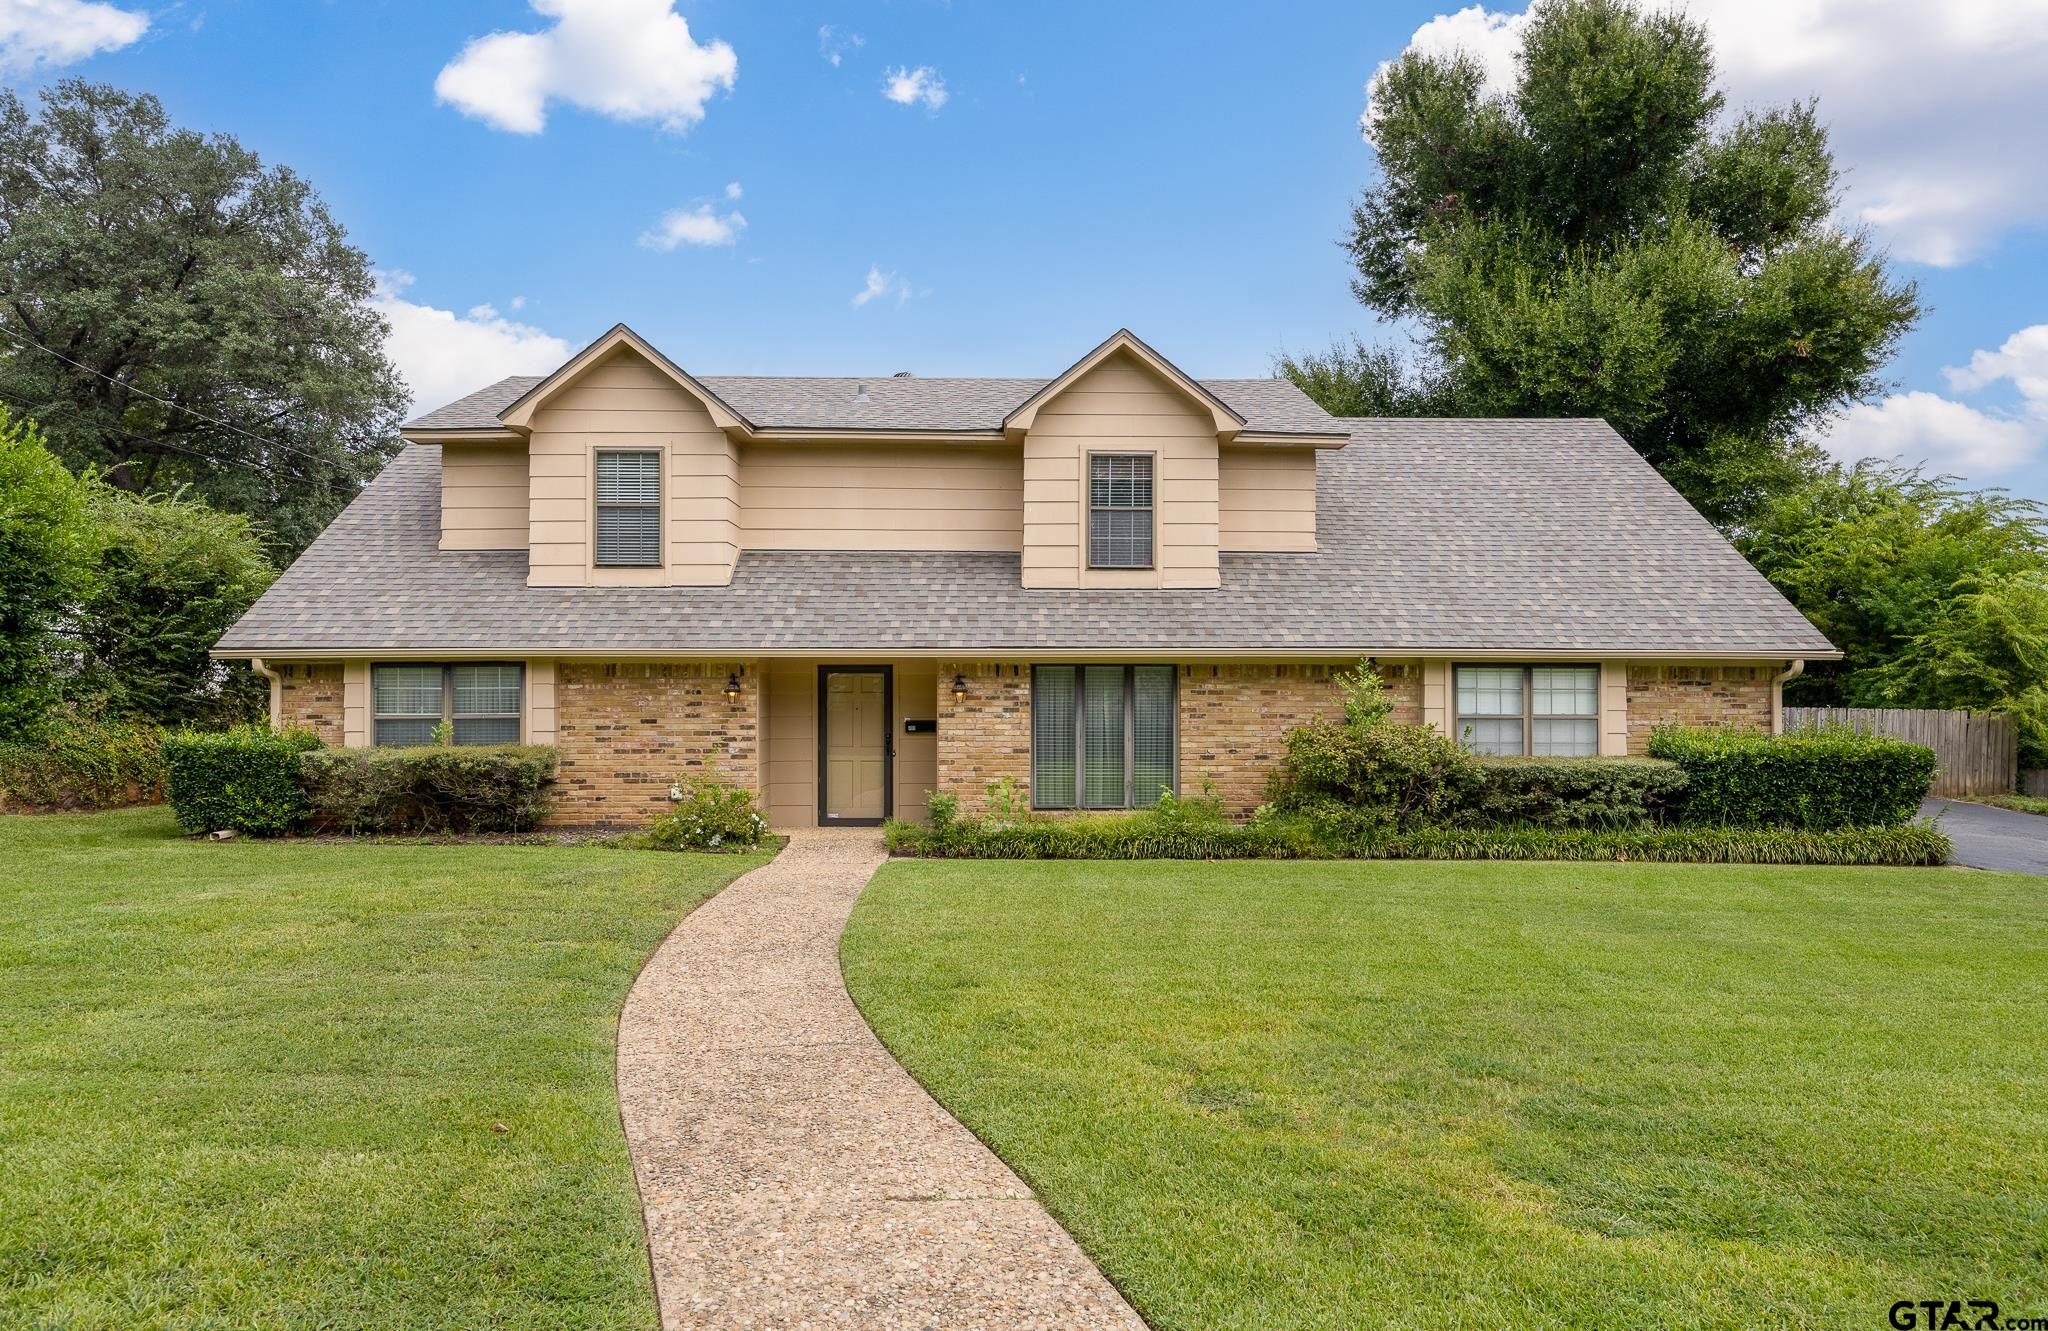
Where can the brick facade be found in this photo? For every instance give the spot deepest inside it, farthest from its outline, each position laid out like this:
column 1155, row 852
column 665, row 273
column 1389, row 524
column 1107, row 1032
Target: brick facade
column 1696, row 695
column 626, row 730
column 309, row 696
column 987, row 735
column 1234, row 720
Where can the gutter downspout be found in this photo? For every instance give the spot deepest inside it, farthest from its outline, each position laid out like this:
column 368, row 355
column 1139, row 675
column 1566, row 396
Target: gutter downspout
column 1778, row 696
column 276, row 687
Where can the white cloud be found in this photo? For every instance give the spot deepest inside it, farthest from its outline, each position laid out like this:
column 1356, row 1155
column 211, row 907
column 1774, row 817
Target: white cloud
column 48, row 33
column 1932, row 103
column 834, row 44
column 444, row 356
column 733, row 191
column 632, row 60
column 880, row 283
column 1955, row 436
column 908, row 87
column 701, row 225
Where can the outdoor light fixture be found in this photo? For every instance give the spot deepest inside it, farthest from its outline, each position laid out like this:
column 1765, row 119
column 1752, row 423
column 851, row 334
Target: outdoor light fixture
column 959, row 688
column 732, row 687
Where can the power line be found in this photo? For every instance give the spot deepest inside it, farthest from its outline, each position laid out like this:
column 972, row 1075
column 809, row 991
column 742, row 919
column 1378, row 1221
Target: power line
column 174, row 406
column 32, row 414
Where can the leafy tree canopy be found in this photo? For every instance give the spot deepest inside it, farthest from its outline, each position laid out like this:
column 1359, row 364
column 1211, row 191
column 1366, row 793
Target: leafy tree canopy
column 48, row 547
column 1937, row 596
column 1601, row 241
column 206, row 313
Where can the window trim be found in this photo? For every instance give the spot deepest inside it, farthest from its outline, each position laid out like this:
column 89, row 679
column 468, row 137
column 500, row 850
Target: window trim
column 1151, row 510
column 1130, row 731
column 448, row 712
column 1528, row 713
column 598, row 506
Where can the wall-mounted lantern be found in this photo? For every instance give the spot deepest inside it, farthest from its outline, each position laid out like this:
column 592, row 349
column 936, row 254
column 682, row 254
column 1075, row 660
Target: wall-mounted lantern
column 732, row 687
column 959, row 688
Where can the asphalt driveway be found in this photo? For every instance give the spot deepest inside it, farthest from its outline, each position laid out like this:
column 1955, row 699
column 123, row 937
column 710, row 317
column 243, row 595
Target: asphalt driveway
column 1993, row 838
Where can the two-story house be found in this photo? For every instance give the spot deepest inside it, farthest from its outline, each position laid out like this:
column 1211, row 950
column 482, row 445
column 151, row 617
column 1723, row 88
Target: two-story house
column 846, row 593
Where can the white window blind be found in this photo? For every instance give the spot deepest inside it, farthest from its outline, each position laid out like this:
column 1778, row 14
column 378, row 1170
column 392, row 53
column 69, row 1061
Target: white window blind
column 628, row 508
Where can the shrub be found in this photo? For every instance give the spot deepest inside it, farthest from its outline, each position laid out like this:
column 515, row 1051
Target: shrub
column 708, row 815
column 245, row 779
column 417, row 790
column 48, row 547
column 1396, row 774
column 1572, row 792
column 1821, row 778
column 1275, row 835
column 80, row 762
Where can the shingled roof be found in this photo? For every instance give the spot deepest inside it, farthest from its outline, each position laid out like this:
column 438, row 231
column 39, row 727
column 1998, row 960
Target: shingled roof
column 795, row 403
column 1437, row 537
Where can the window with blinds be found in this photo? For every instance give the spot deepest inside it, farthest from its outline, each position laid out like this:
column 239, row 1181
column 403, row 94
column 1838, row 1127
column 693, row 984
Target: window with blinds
column 480, row 701
column 1547, row 711
column 1120, row 510
column 1102, row 736
column 628, row 508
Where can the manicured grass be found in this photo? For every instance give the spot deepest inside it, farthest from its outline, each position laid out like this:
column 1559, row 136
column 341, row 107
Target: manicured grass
column 259, row 1083
column 1493, row 1095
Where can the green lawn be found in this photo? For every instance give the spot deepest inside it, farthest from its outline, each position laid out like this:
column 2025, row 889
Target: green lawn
column 1493, row 1095
column 258, row 1084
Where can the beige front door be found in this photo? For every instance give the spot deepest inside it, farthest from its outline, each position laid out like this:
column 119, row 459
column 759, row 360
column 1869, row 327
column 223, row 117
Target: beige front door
column 854, row 702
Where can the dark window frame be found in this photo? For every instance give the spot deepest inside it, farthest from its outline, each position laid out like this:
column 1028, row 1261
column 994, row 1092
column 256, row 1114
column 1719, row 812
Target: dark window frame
column 599, row 505
column 448, row 712
column 1130, row 731
column 1527, row 716
column 1150, row 510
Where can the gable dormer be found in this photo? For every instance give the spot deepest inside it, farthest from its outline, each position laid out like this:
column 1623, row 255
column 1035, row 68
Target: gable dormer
column 1122, row 458
column 632, row 472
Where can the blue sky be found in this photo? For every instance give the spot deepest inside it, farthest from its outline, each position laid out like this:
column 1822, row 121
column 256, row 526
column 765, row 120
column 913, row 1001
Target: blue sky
column 1043, row 174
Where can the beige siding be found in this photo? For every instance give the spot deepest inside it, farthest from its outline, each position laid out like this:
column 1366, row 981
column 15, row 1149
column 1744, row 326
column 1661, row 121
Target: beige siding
column 789, row 770
column 872, row 496
column 483, row 497
column 623, row 402
column 355, row 704
column 1267, row 499
column 1613, row 709
column 537, row 726
column 1436, row 695
column 917, row 756
column 1121, row 406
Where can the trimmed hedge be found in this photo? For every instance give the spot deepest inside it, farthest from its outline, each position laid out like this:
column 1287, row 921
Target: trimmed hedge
column 79, row 763
column 1141, row 836
column 1829, row 777
column 1572, row 792
column 428, row 789
column 242, row 780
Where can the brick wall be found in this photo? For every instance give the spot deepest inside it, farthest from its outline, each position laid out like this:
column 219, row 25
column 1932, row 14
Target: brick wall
column 625, row 731
column 309, row 696
column 987, row 735
column 1234, row 720
column 1696, row 695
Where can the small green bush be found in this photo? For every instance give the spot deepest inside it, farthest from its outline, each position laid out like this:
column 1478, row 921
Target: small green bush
column 1396, row 774
column 243, row 780
column 79, row 762
column 1827, row 777
column 1572, row 792
column 708, row 815
column 462, row 788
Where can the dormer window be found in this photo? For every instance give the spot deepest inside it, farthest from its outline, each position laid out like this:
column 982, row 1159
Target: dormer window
column 1120, row 510
column 629, row 508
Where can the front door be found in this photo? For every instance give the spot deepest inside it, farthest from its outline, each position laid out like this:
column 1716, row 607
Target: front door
column 853, row 744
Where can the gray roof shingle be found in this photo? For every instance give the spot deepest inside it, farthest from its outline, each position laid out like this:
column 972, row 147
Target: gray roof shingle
column 1436, row 536
column 798, row 403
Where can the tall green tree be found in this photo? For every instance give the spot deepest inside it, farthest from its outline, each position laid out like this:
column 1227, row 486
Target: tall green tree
column 173, row 574
column 1936, row 595
column 49, row 547
column 204, row 317
column 1602, row 241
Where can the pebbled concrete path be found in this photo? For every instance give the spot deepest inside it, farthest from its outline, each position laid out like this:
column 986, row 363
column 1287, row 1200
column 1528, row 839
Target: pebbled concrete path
column 792, row 1174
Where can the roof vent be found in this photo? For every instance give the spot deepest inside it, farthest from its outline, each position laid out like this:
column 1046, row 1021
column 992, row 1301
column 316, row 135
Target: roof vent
column 903, row 374
column 860, row 394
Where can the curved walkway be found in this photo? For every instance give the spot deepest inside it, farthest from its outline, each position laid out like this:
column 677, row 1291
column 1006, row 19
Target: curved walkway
column 793, row 1175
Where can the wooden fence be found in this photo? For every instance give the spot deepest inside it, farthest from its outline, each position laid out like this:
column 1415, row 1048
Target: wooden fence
column 1979, row 751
